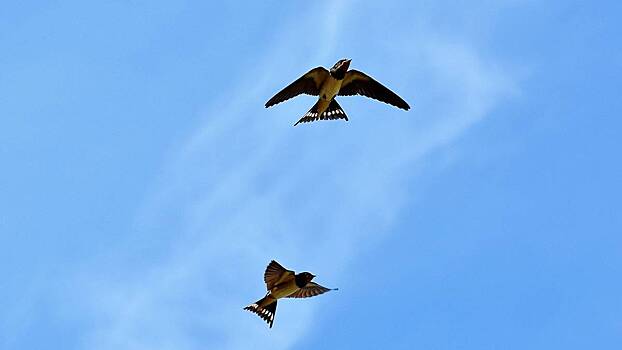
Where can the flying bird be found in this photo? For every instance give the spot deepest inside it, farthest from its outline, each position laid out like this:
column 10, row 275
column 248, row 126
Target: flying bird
column 338, row 81
column 284, row 283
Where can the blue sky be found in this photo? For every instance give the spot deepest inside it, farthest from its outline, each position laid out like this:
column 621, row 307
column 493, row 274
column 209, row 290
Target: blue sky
column 144, row 187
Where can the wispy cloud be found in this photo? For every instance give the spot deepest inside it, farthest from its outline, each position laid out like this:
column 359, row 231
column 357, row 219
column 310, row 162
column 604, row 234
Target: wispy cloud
column 250, row 187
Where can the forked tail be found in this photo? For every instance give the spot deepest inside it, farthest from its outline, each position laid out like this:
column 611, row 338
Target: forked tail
column 264, row 308
column 334, row 111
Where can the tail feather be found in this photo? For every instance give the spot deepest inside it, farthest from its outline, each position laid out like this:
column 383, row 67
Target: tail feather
column 334, row 111
column 266, row 312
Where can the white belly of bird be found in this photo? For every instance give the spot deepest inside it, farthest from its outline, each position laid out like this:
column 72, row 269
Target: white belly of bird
column 330, row 88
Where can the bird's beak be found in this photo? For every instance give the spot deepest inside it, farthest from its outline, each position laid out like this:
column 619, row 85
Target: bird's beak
column 348, row 63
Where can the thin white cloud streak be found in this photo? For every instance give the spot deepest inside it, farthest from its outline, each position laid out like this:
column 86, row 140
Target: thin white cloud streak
column 253, row 188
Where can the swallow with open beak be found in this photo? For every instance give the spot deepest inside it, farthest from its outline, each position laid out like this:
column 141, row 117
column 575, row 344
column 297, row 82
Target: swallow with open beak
column 284, row 283
column 338, row 81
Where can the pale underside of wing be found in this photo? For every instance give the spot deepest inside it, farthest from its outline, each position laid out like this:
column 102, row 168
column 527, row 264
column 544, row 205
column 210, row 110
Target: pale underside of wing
column 310, row 290
column 276, row 274
column 359, row 83
column 309, row 84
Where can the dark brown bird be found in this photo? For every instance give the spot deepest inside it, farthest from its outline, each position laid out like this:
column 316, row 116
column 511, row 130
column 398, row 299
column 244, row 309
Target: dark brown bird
column 339, row 81
column 284, row 283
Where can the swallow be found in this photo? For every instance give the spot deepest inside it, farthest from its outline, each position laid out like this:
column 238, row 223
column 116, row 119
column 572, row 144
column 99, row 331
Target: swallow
column 284, row 283
column 338, row 81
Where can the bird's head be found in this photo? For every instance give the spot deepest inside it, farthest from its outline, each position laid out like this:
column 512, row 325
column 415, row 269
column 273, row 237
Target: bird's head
column 340, row 68
column 306, row 277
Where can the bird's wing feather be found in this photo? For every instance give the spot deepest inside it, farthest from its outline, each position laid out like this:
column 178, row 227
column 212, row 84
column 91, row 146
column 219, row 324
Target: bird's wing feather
column 309, row 84
column 275, row 274
column 359, row 83
column 310, row 290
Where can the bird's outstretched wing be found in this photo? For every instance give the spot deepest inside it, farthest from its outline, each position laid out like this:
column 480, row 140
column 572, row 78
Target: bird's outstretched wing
column 307, row 84
column 275, row 274
column 310, row 290
column 359, row 83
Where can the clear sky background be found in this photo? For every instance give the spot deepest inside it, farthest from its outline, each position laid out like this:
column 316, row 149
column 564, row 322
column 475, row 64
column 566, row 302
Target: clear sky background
column 144, row 187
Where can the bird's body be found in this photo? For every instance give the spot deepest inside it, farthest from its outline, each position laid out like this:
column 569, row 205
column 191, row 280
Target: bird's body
column 339, row 81
column 283, row 283
column 284, row 289
column 330, row 88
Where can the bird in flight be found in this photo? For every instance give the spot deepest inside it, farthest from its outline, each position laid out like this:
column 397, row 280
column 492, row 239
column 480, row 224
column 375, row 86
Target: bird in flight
column 338, row 81
column 284, row 283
